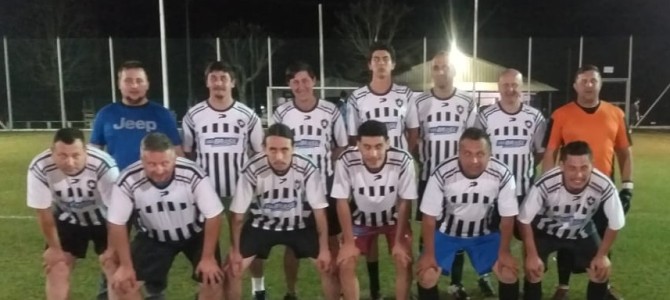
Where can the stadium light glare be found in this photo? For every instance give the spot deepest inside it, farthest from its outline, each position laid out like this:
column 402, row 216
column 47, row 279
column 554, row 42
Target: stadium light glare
column 459, row 59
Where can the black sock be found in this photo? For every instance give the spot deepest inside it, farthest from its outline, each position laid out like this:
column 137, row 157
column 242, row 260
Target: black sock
column 427, row 294
column 508, row 291
column 564, row 262
column 532, row 291
column 596, row 291
column 457, row 268
column 373, row 273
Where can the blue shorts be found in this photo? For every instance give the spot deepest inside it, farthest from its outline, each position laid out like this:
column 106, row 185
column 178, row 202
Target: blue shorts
column 482, row 250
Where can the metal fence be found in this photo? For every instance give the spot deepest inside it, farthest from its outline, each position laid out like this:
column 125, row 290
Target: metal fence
column 51, row 83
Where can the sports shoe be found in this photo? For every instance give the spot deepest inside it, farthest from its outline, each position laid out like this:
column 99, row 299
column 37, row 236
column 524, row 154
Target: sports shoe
column 612, row 294
column 457, row 291
column 560, row 294
column 290, row 296
column 486, row 287
column 259, row 295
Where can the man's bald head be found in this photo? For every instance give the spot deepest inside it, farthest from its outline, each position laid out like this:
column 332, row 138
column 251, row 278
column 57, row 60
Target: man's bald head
column 510, row 82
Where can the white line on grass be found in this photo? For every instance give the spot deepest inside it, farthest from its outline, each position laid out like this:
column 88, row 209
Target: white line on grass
column 16, row 217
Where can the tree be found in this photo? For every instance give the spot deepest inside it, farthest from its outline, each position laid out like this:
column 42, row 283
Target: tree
column 244, row 45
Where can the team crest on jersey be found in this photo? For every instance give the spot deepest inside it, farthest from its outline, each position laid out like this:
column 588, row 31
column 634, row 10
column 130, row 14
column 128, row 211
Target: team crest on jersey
column 324, row 123
column 398, row 102
column 296, row 185
column 590, row 200
column 91, row 184
column 529, row 124
column 460, row 109
column 241, row 123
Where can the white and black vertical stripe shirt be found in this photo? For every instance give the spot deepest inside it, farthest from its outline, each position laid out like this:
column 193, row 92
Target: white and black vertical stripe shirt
column 79, row 199
column 463, row 205
column 515, row 138
column 279, row 202
column 375, row 194
column 168, row 213
column 554, row 210
column 222, row 141
column 316, row 132
column 441, row 123
column 390, row 108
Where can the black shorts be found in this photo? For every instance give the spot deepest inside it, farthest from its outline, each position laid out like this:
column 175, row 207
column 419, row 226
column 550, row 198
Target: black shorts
column 334, row 227
column 152, row 259
column 258, row 242
column 422, row 188
column 582, row 250
column 74, row 238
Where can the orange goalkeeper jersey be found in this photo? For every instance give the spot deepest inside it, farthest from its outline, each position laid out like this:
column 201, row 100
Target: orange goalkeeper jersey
column 602, row 127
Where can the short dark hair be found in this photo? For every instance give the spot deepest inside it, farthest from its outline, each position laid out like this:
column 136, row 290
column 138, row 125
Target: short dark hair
column 379, row 46
column 475, row 134
column 220, row 66
column 130, row 64
column 297, row 67
column 68, row 136
column 587, row 68
column 280, row 130
column 373, row 128
column 156, row 142
column 575, row 148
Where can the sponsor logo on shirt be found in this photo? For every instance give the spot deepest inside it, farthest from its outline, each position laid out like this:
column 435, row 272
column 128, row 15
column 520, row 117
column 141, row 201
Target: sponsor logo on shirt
column 443, row 130
column 511, row 143
column 307, row 144
column 280, row 206
column 148, row 126
column 221, row 142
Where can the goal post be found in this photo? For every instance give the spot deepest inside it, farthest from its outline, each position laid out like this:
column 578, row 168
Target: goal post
column 276, row 95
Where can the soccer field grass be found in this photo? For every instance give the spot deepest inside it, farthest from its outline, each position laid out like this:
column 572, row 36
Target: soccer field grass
column 640, row 257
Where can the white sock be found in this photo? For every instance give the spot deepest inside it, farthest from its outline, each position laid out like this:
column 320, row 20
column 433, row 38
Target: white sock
column 257, row 284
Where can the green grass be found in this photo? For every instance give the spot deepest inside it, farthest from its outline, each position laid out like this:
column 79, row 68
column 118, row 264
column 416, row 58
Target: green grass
column 640, row 259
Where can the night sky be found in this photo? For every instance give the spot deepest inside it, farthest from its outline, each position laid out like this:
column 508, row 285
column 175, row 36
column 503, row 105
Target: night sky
column 504, row 28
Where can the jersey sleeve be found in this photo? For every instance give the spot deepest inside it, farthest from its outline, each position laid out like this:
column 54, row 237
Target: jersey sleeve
column 538, row 136
column 613, row 209
column 480, row 121
column 507, row 202
column 472, row 114
column 412, row 120
column 39, row 194
column 168, row 126
column 244, row 192
column 188, row 131
column 314, row 188
column 352, row 116
column 339, row 130
column 407, row 181
column 433, row 196
column 206, row 198
column 106, row 182
column 531, row 206
column 255, row 134
column 276, row 117
column 98, row 133
column 341, row 185
column 121, row 206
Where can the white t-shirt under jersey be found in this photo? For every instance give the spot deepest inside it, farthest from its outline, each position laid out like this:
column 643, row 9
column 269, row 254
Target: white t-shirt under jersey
column 280, row 202
column 175, row 212
column 390, row 108
column 80, row 199
column 222, row 141
column 555, row 211
column 463, row 205
column 375, row 194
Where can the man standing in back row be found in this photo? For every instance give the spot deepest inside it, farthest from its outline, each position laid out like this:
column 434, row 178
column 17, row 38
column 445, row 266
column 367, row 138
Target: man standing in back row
column 386, row 102
column 603, row 127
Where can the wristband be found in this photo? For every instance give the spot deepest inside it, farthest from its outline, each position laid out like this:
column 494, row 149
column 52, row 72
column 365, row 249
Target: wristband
column 627, row 185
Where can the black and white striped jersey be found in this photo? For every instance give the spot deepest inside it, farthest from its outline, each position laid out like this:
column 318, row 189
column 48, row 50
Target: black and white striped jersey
column 223, row 140
column 462, row 205
column 515, row 138
column 552, row 209
column 374, row 194
column 280, row 202
column 171, row 213
column 390, row 108
column 80, row 199
column 441, row 123
column 316, row 132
